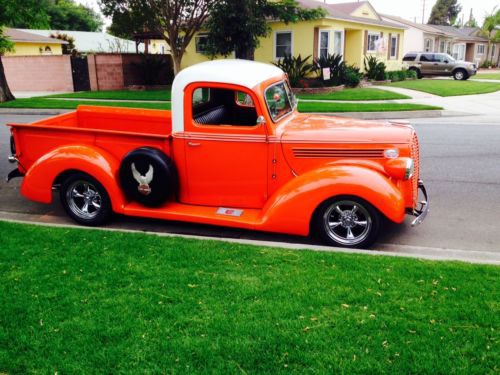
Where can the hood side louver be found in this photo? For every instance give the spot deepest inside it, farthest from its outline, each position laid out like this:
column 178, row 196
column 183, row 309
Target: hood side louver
column 338, row 153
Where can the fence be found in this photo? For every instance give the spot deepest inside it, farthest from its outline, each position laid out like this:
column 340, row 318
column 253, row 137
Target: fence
column 95, row 71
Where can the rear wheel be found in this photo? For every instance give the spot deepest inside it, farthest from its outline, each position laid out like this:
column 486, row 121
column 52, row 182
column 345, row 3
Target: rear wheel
column 347, row 222
column 417, row 72
column 85, row 200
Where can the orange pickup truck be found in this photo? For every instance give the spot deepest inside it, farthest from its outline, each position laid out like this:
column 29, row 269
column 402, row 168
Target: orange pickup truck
column 233, row 151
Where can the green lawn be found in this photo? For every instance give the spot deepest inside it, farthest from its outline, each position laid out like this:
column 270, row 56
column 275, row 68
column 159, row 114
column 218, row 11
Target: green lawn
column 356, row 94
column 81, row 301
column 119, row 95
column 487, row 76
column 362, row 107
column 448, row 87
column 303, row 106
column 72, row 104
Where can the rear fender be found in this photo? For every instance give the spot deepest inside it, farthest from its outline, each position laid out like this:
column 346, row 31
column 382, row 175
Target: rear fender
column 291, row 208
column 40, row 177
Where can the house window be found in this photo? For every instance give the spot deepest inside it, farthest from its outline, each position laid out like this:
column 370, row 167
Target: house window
column 458, row 51
column 480, row 49
column 372, row 42
column 201, row 43
column 394, row 46
column 442, row 46
column 163, row 50
column 337, row 42
column 493, row 50
column 428, row 45
column 324, row 42
column 283, row 44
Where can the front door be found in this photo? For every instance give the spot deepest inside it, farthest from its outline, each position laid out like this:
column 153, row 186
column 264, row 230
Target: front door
column 225, row 148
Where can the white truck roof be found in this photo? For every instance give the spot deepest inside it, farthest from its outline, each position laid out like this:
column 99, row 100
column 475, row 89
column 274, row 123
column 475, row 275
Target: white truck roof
column 237, row 72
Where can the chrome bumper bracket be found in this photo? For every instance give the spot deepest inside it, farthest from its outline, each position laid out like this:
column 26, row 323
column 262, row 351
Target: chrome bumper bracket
column 423, row 210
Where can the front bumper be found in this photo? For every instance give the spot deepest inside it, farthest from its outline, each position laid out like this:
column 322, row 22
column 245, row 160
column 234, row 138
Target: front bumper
column 423, row 210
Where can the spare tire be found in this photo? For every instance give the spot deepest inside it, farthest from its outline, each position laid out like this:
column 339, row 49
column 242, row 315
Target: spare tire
column 148, row 176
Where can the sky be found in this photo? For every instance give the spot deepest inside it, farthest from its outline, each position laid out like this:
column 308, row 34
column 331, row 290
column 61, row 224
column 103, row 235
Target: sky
column 409, row 9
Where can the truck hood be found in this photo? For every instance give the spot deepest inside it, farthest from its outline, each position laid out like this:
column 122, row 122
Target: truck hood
column 306, row 128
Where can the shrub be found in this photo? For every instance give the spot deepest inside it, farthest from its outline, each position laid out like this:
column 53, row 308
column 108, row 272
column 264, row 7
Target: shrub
column 337, row 69
column 411, row 74
column 375, row 70
column 297, row 68
column 352, row 76
column 486, row 64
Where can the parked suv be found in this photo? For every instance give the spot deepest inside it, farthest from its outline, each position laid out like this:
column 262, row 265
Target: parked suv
column 439, row 64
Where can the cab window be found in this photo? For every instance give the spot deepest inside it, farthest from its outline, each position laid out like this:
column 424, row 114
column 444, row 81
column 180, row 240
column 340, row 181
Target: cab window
column 218, row 106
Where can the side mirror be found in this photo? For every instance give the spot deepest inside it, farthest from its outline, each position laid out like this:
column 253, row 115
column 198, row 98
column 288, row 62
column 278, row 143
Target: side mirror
column 446, row 61
column 261, row 120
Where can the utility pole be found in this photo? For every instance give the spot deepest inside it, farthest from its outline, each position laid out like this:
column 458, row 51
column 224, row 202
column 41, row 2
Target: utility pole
column 423, row 12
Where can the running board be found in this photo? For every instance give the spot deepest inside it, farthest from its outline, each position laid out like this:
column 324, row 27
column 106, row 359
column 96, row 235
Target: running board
column 246, row 218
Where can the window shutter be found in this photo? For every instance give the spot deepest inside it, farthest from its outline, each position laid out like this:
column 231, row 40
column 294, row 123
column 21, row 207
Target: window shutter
column 397, row 48
column 315, row 43
column 366, row 42
column 389, row 47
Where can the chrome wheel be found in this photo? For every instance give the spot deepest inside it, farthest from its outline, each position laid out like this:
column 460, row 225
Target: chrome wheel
column 347, row 222
column 83, row 199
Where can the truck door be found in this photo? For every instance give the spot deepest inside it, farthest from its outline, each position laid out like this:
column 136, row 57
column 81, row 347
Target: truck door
column 225, row 148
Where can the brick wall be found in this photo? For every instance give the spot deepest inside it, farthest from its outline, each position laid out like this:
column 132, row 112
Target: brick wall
column 108, row 71
column 38, row 73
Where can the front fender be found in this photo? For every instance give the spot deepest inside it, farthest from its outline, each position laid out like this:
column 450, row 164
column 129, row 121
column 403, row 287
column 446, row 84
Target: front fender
column 290, row 209
column 96, row 162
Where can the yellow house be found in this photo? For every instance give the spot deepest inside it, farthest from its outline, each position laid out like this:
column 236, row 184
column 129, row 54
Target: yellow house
column 28, row 44
column 354, row 30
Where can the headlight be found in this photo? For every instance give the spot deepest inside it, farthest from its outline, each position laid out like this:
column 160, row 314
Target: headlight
column 400, row 168
column 391, row 153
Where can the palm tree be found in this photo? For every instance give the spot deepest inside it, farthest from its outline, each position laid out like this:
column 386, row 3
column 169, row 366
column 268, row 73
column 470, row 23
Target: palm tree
column 489, row 30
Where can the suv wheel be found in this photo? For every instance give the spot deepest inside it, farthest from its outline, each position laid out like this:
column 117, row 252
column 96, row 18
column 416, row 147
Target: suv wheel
column 417, row 71
column 460, row 75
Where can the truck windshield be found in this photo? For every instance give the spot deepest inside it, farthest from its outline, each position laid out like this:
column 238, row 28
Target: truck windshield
column 280, row 100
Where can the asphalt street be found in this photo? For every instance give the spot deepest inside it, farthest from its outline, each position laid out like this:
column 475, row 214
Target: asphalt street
column 460, row 164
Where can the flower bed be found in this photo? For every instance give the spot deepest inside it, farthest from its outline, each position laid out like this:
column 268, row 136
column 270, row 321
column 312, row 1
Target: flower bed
column 317, row 90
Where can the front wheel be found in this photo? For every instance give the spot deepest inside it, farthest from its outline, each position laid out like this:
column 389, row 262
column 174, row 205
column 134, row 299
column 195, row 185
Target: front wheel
column 85, row 200
column 347, row 222
column 460, row 75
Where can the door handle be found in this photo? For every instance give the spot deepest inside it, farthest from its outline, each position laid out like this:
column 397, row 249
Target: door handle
column 194, row 144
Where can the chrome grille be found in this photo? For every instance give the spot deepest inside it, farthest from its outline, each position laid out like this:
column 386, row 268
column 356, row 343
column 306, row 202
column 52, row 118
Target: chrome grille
column 337, row 153
column 415, row 155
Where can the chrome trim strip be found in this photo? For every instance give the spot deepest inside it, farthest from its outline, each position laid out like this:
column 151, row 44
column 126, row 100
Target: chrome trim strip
column 12, row 159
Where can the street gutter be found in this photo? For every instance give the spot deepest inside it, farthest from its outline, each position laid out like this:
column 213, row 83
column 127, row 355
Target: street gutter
column 404, row 251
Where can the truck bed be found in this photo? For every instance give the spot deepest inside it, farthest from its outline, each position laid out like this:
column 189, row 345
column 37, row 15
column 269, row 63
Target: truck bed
column 117, row 130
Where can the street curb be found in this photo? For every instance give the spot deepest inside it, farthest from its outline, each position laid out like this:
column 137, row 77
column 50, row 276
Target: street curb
column 414, row 252
column 358, row 115
column 34, row 111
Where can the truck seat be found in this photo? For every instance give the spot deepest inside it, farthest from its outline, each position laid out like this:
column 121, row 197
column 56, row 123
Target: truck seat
column 213, row 116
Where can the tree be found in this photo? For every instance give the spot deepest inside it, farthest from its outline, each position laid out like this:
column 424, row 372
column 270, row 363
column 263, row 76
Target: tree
column 472, row 21
column 444, row 12
column 177, row 20
column 65, row 15
column 128, row 22
column 12, row 12
column 67, row 49
column 490, row 31
column 236, row 26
